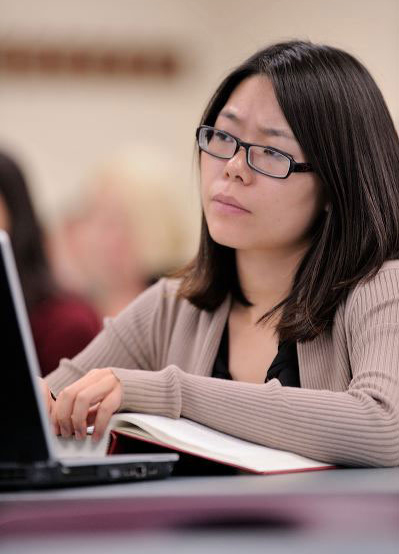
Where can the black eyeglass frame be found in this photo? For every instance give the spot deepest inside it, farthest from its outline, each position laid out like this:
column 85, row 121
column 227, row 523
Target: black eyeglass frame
column 295, row 167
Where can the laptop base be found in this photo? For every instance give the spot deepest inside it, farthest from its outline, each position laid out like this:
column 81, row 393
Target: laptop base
column 45, row 476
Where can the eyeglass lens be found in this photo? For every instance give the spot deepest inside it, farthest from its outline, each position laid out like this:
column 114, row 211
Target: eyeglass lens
column 222, row 145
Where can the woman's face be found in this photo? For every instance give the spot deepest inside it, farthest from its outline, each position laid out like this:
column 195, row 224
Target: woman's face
column 4, row 215
column 276, row 214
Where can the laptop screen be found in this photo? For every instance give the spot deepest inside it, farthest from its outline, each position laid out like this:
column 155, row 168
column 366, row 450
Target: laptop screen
column 22, row 438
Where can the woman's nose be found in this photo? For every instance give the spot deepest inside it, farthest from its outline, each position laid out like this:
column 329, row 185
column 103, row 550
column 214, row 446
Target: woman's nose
column 237, row 168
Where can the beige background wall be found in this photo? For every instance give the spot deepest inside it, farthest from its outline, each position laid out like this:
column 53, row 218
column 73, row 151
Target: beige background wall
column 63, row 129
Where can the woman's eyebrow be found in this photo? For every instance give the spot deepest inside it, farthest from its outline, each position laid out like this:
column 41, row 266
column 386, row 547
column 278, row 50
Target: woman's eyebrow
column 269, row 131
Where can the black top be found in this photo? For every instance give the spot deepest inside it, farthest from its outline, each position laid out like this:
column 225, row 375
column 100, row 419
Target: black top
column 284, row 366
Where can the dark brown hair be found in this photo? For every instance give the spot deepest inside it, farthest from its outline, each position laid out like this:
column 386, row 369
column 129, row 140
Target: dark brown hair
column 339, row 117
column 25, row 234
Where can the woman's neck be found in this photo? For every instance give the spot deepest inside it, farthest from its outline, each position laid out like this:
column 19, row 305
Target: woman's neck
column 266, row 278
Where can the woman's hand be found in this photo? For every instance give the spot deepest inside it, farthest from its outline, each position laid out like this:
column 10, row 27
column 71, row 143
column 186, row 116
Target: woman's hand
column 91, row 399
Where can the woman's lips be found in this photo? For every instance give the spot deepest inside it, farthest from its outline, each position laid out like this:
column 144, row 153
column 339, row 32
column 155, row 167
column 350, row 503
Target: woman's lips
column 228, row 204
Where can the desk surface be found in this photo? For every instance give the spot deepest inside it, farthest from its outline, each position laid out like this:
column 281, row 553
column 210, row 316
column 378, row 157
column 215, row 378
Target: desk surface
column 343, row 510
column 341, row 499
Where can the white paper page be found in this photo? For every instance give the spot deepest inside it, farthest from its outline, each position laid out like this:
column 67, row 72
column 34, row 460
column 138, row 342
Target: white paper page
column 201, row 439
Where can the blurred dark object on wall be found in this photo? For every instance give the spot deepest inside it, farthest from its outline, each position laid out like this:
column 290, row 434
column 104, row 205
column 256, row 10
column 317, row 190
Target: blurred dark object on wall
column 66, row 58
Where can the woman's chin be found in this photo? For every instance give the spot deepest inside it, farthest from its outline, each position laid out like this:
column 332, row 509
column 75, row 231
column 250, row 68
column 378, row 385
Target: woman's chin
column 229, row 240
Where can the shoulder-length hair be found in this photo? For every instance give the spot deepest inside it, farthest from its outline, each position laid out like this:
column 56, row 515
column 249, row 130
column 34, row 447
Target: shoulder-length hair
column 25, row 234
column 339, row 117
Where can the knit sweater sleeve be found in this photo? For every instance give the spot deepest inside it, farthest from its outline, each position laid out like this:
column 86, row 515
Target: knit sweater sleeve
column 129, row 340
column 359, row 426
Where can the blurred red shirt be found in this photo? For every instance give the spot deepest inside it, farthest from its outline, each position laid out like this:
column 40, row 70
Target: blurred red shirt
column 62, row 326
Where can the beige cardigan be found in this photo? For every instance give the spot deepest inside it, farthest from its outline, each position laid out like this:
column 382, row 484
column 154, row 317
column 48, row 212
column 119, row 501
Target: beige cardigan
column 346, row 411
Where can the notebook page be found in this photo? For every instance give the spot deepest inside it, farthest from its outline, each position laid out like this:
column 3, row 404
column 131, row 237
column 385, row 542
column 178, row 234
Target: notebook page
column 219, row 446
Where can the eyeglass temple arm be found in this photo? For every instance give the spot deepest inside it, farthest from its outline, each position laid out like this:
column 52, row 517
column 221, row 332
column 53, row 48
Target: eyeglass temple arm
column 302, row 167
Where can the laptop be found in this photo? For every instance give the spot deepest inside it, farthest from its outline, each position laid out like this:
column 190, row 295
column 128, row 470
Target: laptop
column 28, row 454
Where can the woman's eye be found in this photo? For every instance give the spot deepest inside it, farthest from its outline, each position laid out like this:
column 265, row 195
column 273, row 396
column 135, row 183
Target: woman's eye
column 272, row 154
column 222, row 137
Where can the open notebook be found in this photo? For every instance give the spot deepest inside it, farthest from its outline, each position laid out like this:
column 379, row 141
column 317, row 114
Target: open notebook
column 191, row 438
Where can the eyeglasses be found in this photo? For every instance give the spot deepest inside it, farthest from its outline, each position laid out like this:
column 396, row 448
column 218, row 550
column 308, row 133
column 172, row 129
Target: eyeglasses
column 264, row 159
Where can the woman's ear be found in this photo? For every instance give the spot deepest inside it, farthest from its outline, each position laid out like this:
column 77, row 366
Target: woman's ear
column 327, row 207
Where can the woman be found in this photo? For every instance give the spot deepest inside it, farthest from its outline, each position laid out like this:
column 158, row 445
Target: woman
column 293, row 298
column 62, row 324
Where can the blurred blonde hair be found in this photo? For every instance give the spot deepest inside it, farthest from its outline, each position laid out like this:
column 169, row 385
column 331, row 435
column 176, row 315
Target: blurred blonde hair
column 141, row 181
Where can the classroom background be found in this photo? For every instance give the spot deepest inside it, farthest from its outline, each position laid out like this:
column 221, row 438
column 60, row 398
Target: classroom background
column 99, row 101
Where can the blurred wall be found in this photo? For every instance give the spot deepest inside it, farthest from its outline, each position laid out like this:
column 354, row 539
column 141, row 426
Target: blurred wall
column 63, row 128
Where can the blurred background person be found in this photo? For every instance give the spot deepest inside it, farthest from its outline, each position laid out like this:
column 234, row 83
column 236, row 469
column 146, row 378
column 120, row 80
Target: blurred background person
column 124, row 232
column 62, row 324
